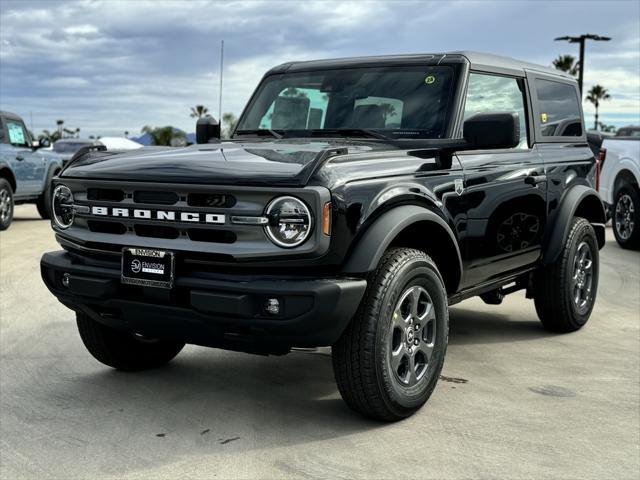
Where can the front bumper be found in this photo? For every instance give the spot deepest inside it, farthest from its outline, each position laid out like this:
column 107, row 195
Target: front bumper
column 210, row 310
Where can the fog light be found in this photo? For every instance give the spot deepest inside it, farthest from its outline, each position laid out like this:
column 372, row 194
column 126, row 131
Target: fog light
column 272, row 306
column 66, row 279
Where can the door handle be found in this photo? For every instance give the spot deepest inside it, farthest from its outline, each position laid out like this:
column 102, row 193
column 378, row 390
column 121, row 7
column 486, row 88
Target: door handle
column 19, row 158
column 534, row 180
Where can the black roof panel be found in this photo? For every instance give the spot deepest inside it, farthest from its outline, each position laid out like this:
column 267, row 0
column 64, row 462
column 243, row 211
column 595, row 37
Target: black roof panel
column 477, row 60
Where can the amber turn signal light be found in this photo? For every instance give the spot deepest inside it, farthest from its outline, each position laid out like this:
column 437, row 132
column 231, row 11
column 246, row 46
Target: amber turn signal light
column 326, row 219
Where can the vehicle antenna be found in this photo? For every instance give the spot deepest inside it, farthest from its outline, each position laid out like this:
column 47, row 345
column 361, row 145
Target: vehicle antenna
column 221, row 70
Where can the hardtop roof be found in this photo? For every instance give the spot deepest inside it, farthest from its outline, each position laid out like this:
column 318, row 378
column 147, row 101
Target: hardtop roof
column 477, row 60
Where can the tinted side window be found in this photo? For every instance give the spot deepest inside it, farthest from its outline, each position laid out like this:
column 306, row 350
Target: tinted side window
column 489, row 93
column 559, row 109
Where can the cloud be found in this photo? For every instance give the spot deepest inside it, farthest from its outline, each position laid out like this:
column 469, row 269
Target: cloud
column 108, row 66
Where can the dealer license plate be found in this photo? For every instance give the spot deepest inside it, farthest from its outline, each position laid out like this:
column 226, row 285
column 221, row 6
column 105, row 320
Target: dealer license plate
column 151, row 268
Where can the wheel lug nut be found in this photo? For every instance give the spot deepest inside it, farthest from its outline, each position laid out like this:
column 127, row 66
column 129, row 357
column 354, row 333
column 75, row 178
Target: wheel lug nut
column 417, row 326
column 416, row 341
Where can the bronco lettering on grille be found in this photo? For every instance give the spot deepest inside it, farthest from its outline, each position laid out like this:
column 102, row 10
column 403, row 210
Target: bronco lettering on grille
column 172, row 216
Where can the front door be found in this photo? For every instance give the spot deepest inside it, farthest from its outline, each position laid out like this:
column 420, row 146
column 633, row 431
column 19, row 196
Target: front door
column 27, row 165
column 505, row 191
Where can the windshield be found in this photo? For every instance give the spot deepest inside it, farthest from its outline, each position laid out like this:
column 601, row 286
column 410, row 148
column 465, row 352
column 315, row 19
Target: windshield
column 397, row 102
column 69, row 147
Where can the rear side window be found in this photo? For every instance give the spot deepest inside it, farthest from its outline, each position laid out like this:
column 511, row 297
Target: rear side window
column 559, row 109
column 493, row 94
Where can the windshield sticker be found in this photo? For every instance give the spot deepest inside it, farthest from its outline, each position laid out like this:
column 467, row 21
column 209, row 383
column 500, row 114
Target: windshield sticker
column 16, row 133
column 430, row 79
column 544, row 117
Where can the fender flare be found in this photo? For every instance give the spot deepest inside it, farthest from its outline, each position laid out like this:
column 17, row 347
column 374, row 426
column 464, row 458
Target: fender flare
column 369, row 249
column 581, row 200
column 11, row 178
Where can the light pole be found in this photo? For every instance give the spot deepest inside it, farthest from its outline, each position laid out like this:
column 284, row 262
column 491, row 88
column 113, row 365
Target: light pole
column 581, row 40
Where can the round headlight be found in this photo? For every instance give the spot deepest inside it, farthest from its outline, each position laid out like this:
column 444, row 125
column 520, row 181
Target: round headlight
column 62, row 206
column 289, row 221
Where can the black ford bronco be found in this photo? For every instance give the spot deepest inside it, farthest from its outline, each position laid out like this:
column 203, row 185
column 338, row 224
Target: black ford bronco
column 355, row 202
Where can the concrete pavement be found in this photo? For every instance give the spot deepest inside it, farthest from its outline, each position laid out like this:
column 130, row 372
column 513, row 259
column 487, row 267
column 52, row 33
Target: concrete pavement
column 515, row 401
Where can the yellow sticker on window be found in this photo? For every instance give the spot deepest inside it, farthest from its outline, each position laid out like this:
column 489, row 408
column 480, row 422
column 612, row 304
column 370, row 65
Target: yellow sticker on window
column 430, row 79
column 544, row 117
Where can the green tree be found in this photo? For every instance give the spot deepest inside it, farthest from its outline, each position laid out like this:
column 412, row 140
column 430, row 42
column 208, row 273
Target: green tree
column 199, row 111
column 567, row 63
column 165, row 136
column 229, row 121
column 608, row 128
column 595, row 96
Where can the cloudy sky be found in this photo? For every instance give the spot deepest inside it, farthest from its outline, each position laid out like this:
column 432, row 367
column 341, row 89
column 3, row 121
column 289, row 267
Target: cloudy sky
column 108, row 66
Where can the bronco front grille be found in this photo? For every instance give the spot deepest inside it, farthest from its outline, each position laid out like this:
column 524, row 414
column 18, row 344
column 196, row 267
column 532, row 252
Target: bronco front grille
column 188, row 218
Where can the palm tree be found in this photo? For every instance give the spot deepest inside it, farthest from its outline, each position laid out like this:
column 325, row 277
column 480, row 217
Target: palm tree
column 595, row 95
column 229, row 121
column 60, row 123
column 567, row 63
column 165, row 136
column 51, row 136
column 199, row 111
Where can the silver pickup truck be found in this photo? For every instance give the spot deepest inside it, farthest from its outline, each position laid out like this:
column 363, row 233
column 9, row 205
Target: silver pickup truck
column 619, row 180
column 26, row 169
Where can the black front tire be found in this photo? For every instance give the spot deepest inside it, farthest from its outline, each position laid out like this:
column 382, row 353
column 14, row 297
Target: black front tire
column 124, row 350
column 565, row 290
column 6, row 204
column 625, row 217
column 43, row 204
column 367, row 359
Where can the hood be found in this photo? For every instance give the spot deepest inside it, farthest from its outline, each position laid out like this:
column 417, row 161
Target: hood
column 279, row 162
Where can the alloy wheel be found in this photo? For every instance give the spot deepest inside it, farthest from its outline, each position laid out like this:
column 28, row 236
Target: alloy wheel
column 5, row 205
column 413, row 336
column 582, row 276
column 624, row 216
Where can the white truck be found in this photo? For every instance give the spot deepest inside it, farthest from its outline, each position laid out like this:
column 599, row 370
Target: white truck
column 619, row 180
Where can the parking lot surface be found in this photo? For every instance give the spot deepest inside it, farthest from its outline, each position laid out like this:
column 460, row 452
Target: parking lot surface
column 514, row 400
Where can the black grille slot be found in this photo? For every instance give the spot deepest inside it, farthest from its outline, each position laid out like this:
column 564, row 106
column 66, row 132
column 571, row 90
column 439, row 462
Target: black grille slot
column 211, row 200
column 157, row 198
column 105, row 194
column 213, row 236
column 106, row 227
column 156, row 231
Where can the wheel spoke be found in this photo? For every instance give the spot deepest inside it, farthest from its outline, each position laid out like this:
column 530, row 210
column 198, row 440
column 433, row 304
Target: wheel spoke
column 427, row 350
column 415, row 301
column 412, row 379
column 396, row 359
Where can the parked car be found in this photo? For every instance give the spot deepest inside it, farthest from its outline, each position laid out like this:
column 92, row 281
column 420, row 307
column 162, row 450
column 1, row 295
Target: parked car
column 26, row 169
column 619, row 180
column 68, row 147
column 630, row 131
column 356, row 201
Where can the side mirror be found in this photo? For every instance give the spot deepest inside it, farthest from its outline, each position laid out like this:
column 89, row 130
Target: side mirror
column 42, row 143
column 486, row 131
column 207, row 129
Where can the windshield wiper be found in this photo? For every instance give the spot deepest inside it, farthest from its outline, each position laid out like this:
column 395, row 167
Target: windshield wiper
column 260, row 132
column 351, row 132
